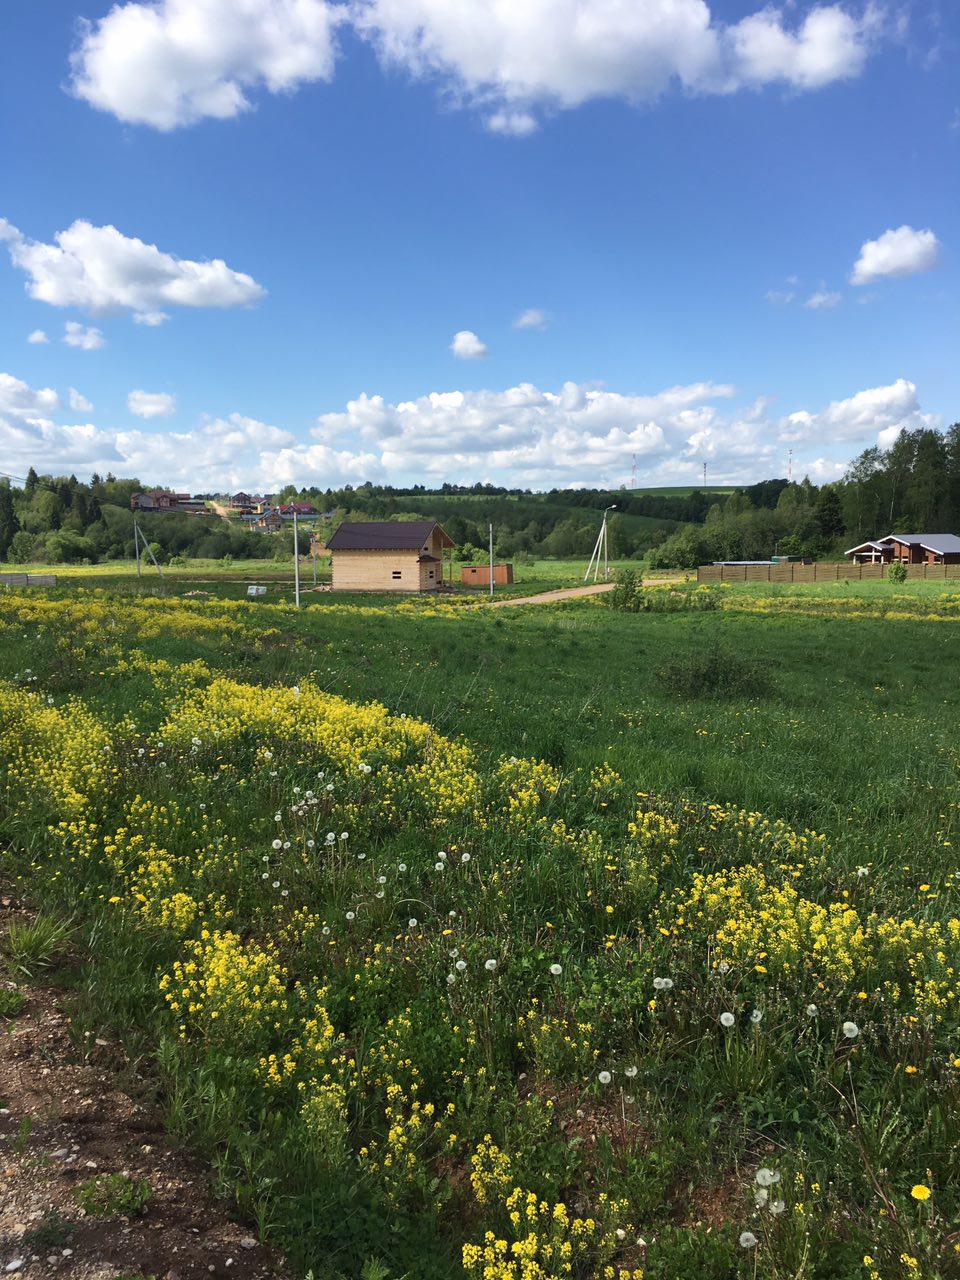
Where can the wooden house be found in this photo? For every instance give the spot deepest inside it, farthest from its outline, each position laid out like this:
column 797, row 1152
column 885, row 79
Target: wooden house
column 389, row 555
column 909, row 548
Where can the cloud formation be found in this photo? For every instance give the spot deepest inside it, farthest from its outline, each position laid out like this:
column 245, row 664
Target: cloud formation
column 903, row 252
column 876, row 416
column 173, row 62
column 78, row 403
column 822, row 300
column 467, row 346
column 152, row 404
column 100, row 269
column 521, row 436
column 495, row 56
column 86, row 339
column 168, row 63
column 37, row 337
column 532, row 318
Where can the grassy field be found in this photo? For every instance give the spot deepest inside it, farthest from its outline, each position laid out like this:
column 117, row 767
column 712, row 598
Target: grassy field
column 524, row 943
column 230, row 581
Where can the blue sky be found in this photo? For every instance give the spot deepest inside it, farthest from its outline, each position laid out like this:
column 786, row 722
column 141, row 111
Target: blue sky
column 736, row 228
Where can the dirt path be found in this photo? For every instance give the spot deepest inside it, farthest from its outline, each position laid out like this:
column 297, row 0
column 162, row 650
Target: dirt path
column 66, row 1116
column 571, row 593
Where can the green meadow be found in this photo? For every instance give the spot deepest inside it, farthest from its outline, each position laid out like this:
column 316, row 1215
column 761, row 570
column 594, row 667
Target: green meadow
column 518, row 943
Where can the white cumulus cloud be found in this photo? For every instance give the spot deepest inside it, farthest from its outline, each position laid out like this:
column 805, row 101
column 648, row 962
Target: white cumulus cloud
column 903, row 252
column 79, row 403
column 876, row 415
column 100, row 269
column 822, row 300
column 522, row 436
column 21, row 401
column 167, row 63
column 173, row 62
column 467, row 346
column 37, row 337
column 512, row 60
column 152, row 404
column 532, row 318
column 86, row 338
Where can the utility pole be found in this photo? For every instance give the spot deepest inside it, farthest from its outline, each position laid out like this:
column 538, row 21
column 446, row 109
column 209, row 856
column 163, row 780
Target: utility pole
column 601, row 546
column 136, row 543
column 704, row 477
column 296, row 559
column 790, row 466
column 491, row 562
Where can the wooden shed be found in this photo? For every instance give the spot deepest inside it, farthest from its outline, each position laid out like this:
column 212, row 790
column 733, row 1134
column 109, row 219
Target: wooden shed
column 478, row 575
column 390, row 555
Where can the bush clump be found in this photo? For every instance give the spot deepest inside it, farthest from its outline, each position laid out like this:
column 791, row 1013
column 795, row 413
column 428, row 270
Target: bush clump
column 629, row 595
column 897, row 573
column 716, row 673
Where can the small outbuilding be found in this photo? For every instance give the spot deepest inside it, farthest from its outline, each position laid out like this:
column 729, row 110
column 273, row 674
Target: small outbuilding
column 908, row 548
column 478, row 575
column 390, row 555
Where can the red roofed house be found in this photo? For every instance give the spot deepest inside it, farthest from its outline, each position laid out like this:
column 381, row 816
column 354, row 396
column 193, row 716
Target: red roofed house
column 389, row 555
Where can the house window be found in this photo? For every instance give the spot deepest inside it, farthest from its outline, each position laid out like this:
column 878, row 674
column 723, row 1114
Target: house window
column 431, row 573
column 397, row 573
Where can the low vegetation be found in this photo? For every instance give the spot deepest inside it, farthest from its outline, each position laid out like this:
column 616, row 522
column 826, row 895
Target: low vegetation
column 520, row 944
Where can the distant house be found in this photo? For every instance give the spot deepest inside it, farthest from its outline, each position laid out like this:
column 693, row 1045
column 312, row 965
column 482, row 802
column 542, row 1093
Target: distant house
column 389, row 555
column 241, row 501
column 908, row 548
column 302, row 510
column 269, row 520
column 158, row 500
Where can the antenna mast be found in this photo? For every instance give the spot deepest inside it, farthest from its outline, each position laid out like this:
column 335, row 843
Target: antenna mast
column 790, row 467
column 633, row 472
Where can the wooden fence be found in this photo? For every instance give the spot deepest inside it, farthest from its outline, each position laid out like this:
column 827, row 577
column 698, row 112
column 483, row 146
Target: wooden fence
column 28, row 579
column 817, row 572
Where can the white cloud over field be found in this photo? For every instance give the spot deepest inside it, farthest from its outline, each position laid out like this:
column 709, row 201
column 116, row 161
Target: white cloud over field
column 99, row 269
column 521, row 436
column 168, row 63
column 903, row 252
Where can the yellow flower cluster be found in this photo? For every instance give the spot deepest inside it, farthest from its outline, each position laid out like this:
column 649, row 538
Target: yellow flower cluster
column 555, row 1044
column 409, row 761
column 228, row 991
column 544, row 1242
column 757, row 922
column 54, row 760
column 528, row 786
column 489, row 1171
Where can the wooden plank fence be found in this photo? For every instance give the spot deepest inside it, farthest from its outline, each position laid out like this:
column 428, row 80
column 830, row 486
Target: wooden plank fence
column 28, row 579
column 817, row 572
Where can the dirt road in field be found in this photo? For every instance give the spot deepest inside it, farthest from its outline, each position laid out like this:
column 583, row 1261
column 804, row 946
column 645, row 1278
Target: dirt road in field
column 571, row 593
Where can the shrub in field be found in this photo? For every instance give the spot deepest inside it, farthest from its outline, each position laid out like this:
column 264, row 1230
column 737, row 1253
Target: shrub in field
column 897, row 572
column 715, row 673
column 630, row 595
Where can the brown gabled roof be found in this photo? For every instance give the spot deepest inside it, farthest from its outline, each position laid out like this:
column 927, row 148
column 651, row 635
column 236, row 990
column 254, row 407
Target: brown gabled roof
column 386, row 535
